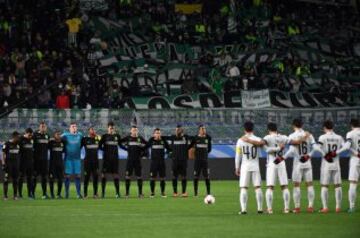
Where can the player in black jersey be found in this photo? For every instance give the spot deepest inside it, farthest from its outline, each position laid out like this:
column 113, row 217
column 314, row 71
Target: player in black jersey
column 56, row 166
column 109, row 144
column 202, row 145
column 10, row 163
column 26, row 144
column 158, row 145
column 180, row 145
column 135, row 146
column 91, row 161
column 41, row 141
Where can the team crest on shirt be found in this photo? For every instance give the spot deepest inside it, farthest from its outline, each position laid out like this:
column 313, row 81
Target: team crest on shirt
column 206, row 141
column 31, row 141
column 138, row 139
column 116, row 138
column 46, row 137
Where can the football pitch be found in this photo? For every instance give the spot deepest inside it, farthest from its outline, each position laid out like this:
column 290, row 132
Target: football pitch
column 172, row 217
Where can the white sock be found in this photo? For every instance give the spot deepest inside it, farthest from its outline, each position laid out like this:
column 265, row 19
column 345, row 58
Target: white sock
column 269, row 198
column 296, row 197
column 286, row 197
column 311, row 195
column 259, row 198
column 243, row 199
column 324, row 196
column 338, row 197
column 352, row 195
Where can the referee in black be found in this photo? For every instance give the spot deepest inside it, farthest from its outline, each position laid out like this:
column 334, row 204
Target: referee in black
column 135, row 146
column 202, row 145
column 91, row 161
column 157, row 145
column 56, row 165
column 41, row 142
column 10, row 163
column 26, row 162
column 109, row 144
column 180, row 145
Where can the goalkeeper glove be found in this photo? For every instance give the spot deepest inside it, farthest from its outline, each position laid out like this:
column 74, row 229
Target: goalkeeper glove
column 304, row 158
column 278, row 160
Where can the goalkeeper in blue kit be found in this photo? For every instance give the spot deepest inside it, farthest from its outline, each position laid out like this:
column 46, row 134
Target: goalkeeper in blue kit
column 72, row 141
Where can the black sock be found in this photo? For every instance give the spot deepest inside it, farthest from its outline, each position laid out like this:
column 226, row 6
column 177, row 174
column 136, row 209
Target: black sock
column 103, row 186
column 59, row 186
column 152, row 186
column 207, row 183
column 183, row 185
column 140, row 183
column 196, row 185
column 43, row 185
column 6, row 186
column 127, row 186
column 51, row 185
column 162, row 186
column 86, row 184
column 15, row 186
column 34, row 182
column 21, row 181
column 117, row 186
column 95, row 183
column 174, row 183
column 29, row 185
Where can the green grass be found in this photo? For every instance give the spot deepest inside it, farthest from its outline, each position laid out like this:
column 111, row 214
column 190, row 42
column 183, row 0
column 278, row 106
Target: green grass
column 172, row 217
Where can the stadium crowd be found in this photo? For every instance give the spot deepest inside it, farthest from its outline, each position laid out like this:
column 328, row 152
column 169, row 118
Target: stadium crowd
column 49, row 52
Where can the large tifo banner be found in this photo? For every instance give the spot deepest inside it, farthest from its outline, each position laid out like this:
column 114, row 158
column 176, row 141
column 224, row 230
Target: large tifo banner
column 241, row 99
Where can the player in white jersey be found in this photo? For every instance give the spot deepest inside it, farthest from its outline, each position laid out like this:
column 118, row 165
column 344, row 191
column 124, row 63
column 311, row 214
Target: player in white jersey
column 247, row 167
column 302, row 168
column 275, row 167
column 330, row 166
column 353, row 144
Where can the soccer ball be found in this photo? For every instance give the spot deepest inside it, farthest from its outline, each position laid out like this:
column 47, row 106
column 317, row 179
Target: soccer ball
column 209, row 199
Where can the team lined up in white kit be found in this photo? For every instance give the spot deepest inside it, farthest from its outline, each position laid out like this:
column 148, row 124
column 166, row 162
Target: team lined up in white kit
column 302, row 146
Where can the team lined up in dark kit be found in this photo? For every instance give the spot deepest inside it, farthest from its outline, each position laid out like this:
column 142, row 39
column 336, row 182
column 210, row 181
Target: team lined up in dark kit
column 26, row 156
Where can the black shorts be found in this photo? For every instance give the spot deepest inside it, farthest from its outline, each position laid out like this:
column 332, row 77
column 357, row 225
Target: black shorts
column 91, row 167
column 110, row 166
column 26, row 167
column 56, row 169
column 157, row 167
column 179, row 167
column 201, row 166
column 12, row 169
column 133, row 165
column 41, row 167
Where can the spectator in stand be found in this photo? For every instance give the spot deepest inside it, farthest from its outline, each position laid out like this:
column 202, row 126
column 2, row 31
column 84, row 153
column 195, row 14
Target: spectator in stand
column 62, row 101
column 73, row 28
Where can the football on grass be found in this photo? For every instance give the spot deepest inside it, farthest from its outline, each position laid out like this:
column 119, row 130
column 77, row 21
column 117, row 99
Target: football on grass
column 209, row 199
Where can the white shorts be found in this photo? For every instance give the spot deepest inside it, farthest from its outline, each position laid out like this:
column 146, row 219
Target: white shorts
column 298, row 174
column 247, row 175
column 330, row 176
column 354, row 172
column 273, row 172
